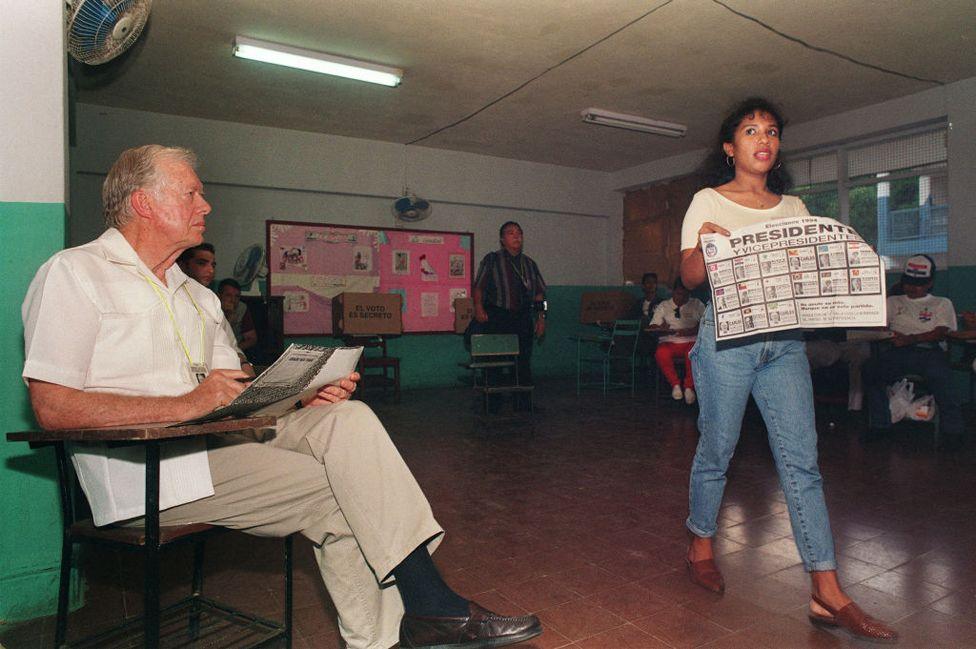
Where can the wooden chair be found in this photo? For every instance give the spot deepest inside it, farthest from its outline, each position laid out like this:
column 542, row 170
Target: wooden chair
column 491, row 353
column 77, row 527
column 375, row 357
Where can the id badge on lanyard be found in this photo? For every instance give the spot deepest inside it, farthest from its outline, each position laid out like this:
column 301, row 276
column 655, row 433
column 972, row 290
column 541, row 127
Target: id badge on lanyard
column 199, row 371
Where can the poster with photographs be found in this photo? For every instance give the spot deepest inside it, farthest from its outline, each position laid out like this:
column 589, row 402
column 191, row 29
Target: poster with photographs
column 806, row 271
column 458, row 265
column 362, row 258
column 310, row 264
column 401, row 262
column 296, row 302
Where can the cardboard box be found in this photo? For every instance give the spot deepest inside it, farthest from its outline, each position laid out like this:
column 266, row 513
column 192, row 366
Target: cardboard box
column 606, row 306
column 356, row 314
column 463, row 312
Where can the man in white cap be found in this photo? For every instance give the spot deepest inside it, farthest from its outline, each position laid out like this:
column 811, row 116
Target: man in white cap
column 920, row 322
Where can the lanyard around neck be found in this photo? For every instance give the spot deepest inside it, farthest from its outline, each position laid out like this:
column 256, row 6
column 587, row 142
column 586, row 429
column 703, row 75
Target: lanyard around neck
column 172, row 319
column 519, row 270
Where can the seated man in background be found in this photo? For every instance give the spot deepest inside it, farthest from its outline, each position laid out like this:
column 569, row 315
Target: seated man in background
column 241, row 323
column 677, row 318
column 115, row 334
column 644, row 311
column 919, row 322
column 200, row 263
column 828, row 346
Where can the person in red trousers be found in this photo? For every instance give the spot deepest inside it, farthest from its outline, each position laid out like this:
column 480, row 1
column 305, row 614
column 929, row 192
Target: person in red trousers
column 677, row 319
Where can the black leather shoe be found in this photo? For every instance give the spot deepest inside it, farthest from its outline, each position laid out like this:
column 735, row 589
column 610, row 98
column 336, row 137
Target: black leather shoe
column 479, row 629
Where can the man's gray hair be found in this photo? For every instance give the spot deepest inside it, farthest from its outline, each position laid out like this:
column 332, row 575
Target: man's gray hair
column 134, row 169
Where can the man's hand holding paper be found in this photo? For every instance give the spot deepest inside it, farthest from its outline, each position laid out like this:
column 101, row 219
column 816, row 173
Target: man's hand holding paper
column 334, row 393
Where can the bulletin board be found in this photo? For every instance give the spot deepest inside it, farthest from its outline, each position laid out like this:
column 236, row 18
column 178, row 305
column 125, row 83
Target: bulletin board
column 310, row 263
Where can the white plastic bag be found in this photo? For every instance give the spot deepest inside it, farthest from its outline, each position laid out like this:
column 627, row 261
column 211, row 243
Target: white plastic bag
column 923, row 408
column 900, row 398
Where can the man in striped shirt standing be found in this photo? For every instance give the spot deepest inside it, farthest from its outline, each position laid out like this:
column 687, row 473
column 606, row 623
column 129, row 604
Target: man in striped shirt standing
column 510, row 294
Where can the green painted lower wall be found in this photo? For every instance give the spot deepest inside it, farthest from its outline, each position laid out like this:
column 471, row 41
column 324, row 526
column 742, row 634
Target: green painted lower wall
column 432, row 360
column 30, row 535
column 958, row 284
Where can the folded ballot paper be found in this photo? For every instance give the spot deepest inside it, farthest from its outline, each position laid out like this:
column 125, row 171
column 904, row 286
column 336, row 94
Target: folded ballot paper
column 297, row 374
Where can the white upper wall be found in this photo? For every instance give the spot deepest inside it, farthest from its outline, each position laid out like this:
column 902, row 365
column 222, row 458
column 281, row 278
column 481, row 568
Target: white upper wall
column 32, row 128
column 955, row 102
column 572, row 219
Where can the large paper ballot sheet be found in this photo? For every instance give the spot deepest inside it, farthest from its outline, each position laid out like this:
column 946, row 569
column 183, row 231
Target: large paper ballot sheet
column 807, row 271
column 297, row 374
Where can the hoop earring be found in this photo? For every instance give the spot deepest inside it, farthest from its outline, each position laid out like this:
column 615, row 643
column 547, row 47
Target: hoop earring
column 729, row 161
column 778, row 165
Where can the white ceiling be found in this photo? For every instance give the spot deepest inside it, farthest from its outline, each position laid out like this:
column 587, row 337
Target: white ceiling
column 543, row 61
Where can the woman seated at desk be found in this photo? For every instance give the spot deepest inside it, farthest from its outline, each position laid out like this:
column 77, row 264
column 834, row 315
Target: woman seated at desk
column 677, row 319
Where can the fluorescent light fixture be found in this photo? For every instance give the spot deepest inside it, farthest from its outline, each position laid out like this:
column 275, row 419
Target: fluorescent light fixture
column 296, row 57
column 632, row 122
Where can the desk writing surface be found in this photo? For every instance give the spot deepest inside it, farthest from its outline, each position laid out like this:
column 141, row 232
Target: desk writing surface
column 869, row 335
column 965, row 334
column 141, row 432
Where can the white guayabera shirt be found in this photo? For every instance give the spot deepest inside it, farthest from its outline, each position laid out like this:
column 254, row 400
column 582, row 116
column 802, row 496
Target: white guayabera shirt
column 93, row 322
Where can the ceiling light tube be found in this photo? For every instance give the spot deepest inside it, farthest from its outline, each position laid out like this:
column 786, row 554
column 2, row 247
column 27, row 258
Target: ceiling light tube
column 295, row 57
column 633, row 122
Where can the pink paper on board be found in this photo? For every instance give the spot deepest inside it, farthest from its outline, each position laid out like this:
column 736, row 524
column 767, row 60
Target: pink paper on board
column 435, row 267
column 429, row 252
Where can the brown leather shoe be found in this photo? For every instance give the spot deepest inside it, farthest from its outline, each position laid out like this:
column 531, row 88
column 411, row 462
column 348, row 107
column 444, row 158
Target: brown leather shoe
column 481, row 628
column 856, row 622
column 706, row 574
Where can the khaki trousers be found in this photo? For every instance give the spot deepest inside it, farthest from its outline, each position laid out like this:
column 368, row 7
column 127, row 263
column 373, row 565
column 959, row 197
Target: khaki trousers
column 331, row 473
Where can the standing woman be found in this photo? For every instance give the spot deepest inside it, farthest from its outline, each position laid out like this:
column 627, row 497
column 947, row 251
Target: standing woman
column 744, row 185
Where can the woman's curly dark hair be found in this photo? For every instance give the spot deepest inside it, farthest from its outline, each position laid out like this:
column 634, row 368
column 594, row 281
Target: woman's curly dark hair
column 715, row 170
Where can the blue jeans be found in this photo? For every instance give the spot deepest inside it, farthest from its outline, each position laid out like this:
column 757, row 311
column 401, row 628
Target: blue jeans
column 774, row 369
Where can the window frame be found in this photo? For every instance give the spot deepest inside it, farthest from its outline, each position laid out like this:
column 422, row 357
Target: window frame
column 843, row 184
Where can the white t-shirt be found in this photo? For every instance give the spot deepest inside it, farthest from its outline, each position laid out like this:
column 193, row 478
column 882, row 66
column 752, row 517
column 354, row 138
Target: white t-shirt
column 907, row 316
column 709, row 205
column 92, row 322
column 691, row 313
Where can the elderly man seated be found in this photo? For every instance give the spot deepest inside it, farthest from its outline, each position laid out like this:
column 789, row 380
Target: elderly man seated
column 115, row 333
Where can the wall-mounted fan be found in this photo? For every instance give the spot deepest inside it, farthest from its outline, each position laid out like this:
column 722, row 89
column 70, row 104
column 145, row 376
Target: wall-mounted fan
column 411, row 209
column 249, row 266
column 100, row 30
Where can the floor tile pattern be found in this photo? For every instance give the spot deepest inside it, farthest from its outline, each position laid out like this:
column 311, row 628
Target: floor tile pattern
column 576, row 515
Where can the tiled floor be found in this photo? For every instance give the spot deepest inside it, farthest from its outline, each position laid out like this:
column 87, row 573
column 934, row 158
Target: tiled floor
column 579, row 518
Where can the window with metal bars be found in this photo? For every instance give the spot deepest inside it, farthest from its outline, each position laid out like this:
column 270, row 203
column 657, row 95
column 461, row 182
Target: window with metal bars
column 892, row 190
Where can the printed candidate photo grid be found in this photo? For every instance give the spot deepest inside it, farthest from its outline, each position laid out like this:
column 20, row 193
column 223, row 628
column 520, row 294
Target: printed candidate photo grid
column 758, row 291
